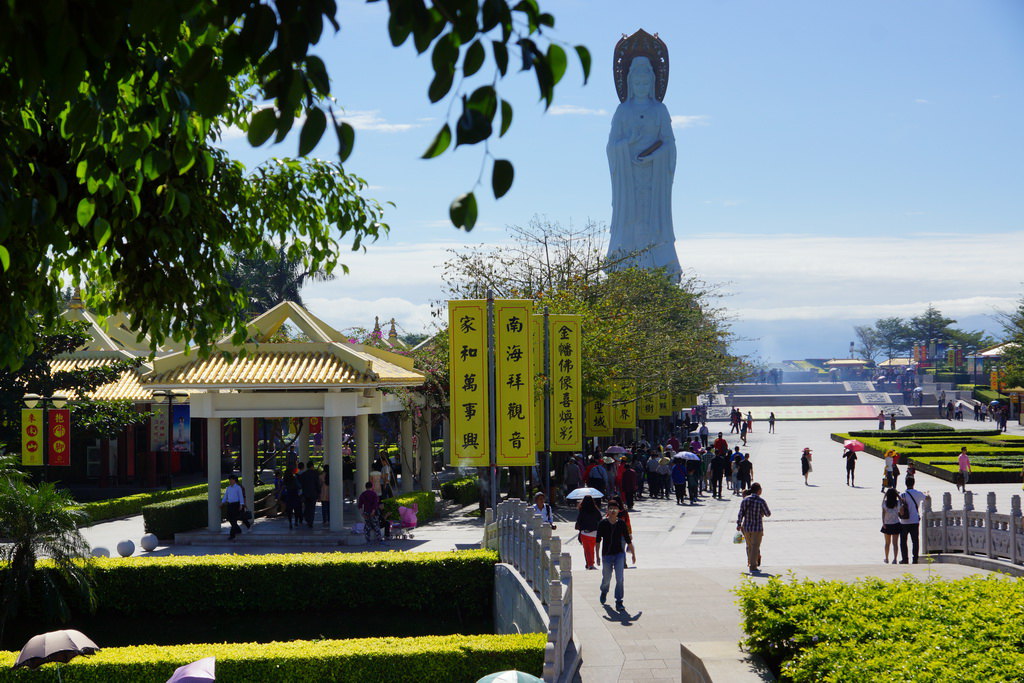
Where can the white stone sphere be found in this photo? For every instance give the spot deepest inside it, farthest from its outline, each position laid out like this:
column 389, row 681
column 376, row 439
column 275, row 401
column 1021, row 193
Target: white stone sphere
column 100, row 551
column 126, row 548
column 149, row 542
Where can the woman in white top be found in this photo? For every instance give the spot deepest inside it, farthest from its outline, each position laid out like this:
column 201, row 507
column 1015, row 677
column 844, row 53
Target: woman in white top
column 891, row 523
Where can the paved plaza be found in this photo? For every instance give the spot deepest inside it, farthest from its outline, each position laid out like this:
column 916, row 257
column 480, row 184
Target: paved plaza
column 681, row 588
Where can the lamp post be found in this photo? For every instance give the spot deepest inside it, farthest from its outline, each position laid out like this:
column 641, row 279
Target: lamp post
column 170, row 396
column 55, row 401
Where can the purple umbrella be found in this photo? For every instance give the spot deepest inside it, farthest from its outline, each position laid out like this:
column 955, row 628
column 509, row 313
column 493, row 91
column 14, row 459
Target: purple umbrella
column 196, row 672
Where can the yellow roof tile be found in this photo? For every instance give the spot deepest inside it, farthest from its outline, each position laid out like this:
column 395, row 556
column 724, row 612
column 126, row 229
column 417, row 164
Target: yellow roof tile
column 126, row 387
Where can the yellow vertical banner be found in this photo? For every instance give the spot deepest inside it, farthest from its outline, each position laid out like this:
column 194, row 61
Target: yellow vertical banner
column 664, row 404
column 677, row 403
column 564, row 339
column 599, row 418
column 624, row 407
column 648, row 406
column 514, row 383
column 32, row 437
column 467, row 361
column 537, row 334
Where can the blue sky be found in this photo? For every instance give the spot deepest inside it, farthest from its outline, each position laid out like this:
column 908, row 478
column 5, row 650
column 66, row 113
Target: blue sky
column 837, row 161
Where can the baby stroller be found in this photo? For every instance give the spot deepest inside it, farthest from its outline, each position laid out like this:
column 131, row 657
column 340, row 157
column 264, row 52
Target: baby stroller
column 402, row 528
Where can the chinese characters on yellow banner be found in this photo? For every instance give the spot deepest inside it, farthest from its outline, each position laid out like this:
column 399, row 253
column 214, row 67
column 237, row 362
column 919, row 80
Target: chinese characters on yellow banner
column 599, row 419
column 537, row 334
column 513, row 376
column 649, row 406
column 32, row 437
column 566, row 382
column 467, row 353
column 624, row 407
column 664, row 404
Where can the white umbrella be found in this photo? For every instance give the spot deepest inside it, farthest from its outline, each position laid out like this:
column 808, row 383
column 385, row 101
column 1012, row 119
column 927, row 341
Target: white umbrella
column 581, row 493
column 615, row 449
column 201, row 670
column 55, row 646
column 687, row 455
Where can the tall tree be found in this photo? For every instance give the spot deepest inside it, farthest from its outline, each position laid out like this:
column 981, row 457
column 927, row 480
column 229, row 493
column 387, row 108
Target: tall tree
column 267, row 282
column 930, row 325
column 1013, row 354
column 109, row 174
column 870, row 345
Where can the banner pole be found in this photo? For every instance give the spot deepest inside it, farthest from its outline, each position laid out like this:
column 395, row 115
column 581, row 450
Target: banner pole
column 547, row 405
column 492, row 417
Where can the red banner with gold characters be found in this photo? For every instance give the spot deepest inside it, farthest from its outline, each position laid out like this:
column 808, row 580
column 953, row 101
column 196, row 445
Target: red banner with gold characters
column 32, row 437
column 467, row 362
column 60, row 437
column 316, row 425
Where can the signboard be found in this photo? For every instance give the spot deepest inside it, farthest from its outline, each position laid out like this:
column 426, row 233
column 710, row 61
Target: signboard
column 158, row 427
column 514, row 382
column 537, row 334
column 467, row 360
column 664, row 404
column 32, row 437
column 677, row 403
column 182, row 429
column 624, row 407
column 316, row 425
column 599, row 419
column 649, row 406
column 564, row 338
column 59, row 437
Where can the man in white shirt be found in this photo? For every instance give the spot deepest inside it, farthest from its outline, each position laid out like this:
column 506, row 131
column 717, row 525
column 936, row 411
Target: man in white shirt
column 234, row 501
column 910, row 524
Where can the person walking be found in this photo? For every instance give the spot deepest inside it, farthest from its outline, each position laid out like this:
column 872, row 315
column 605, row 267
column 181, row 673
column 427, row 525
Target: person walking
column 736, row 459
column 629, row 483
column 653, row 478
column 309, row 481
column 851, row 463
column 717, row 469
column 892, row 420
column 665, row 475
column 771, row 423
column 910, row 520
column 881, row 421
column 889, row 481
column 234, row 503
column 587, row 519
column 891, row 524
column 743, row 432
column 750, row 522
column 679, row 480
column 367, row 503
column 964, row 463
column 325, row 496
column 745, row 473
column 613, row 540
column 703, row 434
column 805, row 464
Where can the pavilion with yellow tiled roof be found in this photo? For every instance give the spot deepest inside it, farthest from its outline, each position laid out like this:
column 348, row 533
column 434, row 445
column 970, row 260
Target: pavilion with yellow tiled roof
column 329, row 377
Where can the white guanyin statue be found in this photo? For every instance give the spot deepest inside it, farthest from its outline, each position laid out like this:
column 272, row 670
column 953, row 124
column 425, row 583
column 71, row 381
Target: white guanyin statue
column 642, row 158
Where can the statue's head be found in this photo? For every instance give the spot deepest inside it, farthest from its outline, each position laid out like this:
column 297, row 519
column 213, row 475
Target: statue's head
column 641, row 79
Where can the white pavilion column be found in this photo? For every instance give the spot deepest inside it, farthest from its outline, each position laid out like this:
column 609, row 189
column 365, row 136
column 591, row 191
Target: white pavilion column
column 213, row 473
column 425, row 452
column 334, row 433
column 303, row 441
column 446, row 438
column 362, row 437
column 248, row 459
column 405, row 423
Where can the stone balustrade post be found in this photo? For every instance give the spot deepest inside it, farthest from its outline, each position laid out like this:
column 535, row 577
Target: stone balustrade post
column 990, row 509
column 926, row 518
column 947, row 506
column 1015, row 517
column 968, row 508
column 565, row 567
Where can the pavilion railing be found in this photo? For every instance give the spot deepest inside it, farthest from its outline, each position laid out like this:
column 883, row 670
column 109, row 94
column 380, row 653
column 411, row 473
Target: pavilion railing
column 973, row 532
column 525, row 542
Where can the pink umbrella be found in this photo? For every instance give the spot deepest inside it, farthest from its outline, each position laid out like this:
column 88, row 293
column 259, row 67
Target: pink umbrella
column 853, row 445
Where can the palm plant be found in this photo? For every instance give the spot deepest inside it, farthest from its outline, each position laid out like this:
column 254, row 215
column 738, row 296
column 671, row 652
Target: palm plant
column 37, row 523
column 267, row 282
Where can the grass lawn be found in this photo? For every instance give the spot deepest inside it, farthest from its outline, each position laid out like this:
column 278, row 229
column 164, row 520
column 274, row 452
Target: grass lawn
column 995, row 457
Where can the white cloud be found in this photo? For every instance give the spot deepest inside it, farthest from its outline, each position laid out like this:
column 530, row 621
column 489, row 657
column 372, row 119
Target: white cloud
column 683, row 121
column 574, row 110
column 920, row 101
column 371, row 119
column 346, row 312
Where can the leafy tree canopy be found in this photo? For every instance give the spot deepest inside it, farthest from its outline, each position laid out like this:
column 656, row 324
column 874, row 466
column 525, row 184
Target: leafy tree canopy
column 108, row 174
column 1013, row 355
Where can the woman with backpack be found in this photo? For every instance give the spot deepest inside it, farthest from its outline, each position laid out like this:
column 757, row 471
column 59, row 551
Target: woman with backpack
column 891, row 523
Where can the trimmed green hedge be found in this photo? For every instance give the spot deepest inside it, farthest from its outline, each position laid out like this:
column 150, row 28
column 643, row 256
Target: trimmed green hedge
column 926, row 427
column 185, row 514
column 987, row 395
column 425, row 500
column 182, row 584
column 886, row 630
column 112, row 508
column 464, row 491
column 454, row 659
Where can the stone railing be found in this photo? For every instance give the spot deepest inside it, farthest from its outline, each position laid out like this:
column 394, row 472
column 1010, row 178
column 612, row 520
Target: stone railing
column 973, row 532
column 525, row 542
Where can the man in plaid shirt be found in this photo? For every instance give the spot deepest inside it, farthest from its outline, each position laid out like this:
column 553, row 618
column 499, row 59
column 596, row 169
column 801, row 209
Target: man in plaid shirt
column 750, row 521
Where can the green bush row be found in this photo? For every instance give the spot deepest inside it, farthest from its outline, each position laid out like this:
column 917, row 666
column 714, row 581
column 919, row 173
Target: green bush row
column 185, row 514
column 887, row 630
column 424, row 499
column 454, row 659
column 202, row 584
column 464, row 491
column 102, row 510
column 987, row 395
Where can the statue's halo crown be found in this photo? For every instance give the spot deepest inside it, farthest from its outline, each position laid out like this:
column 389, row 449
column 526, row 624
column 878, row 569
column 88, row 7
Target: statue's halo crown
column 641, row 44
